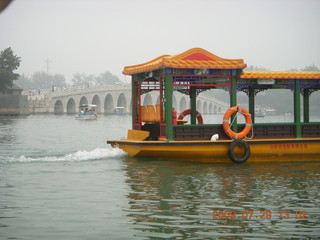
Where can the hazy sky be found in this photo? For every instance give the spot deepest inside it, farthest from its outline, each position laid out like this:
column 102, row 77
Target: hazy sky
column 94, row 36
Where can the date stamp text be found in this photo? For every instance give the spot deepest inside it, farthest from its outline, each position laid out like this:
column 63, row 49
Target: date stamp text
column 263, row 214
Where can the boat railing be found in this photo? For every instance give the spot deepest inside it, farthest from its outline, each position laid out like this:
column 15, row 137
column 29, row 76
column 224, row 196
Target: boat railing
column 259, row 131
column 311, row 129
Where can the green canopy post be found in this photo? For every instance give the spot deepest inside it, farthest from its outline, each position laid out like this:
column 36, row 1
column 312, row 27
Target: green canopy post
column 297, row 111
column 251, row 103
column 233, row 101
column 193, row 103
column 306, row 108
column 168, row 105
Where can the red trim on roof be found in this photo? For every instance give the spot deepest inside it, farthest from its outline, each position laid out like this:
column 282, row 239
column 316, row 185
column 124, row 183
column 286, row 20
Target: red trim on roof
column 198, row 56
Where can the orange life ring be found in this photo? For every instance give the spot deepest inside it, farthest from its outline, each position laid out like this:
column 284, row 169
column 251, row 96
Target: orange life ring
column 187, row 112
column 226, row 126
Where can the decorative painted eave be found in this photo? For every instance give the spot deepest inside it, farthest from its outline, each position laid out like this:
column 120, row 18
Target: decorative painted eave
column 279, row 75
column 194, row 58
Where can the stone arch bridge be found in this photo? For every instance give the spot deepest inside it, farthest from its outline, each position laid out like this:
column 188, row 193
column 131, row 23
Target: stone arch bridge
column 108, row 97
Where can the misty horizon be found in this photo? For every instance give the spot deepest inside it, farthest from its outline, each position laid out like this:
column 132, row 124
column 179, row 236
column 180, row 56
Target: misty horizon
column 69, row 37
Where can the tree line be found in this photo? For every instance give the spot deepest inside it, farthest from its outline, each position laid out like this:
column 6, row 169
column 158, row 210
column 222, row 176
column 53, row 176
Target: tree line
column 42, row 80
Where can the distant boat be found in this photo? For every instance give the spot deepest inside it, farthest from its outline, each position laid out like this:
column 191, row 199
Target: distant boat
column 118, row 110
column 259, row 113
column 87, row 112
column 271, row 111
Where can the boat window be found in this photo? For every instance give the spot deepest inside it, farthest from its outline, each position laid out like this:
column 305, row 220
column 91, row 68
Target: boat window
column 314, row 107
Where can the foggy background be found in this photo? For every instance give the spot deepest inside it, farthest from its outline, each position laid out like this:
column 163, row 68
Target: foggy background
column 92, row 37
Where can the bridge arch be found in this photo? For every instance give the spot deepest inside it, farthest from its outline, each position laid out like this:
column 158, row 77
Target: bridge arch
column 71, row 106
column 108, row 104
column 183, row 104
column 96, row 101
column 210, row 109
column 58, row 107
column 122, row 101
column 205, row 108
column 83, row 100
column 174, row 102
column 147, row 100
column 199, row 105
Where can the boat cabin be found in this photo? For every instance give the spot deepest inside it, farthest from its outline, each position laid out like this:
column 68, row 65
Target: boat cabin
column 87, row 112
column 198, row 70
column 87, row 109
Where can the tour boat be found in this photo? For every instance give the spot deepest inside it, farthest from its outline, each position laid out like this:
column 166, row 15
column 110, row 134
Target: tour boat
column 87, row 112
column 159, row 132
column 118, row 110
column 259, row 113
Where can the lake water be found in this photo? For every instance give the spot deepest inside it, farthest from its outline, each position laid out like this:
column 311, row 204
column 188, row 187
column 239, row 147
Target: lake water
column 59, row 180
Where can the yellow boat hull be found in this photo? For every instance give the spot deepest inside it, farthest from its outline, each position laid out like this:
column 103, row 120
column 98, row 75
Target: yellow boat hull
column 261, row 150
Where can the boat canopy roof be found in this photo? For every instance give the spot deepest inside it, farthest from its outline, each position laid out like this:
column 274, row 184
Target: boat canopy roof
column 192, row 58
column 198, row 58
column 279, row 75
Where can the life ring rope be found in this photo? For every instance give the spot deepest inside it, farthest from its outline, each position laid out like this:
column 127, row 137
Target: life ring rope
column 227, row 128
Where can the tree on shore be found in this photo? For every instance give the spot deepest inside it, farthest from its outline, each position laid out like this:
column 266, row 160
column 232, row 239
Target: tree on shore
column 41, row 80
column 8, row 64
column 311, row 68
column 255, row 68
column 106, row 78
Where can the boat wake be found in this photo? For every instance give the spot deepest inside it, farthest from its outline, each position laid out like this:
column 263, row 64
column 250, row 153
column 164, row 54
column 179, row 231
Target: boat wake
column 96, row 154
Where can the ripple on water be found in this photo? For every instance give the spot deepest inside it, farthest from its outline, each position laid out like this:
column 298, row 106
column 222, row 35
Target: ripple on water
column 62, row 182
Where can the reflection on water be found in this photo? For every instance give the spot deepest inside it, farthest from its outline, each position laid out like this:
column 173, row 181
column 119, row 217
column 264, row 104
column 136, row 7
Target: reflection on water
column 179, row 200
column 59, row 180
column 7, row 126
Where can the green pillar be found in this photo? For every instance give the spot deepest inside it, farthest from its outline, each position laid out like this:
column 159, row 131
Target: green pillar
column 306, row 107
column 168, row 92
column 193, row 105
column 133, row 100
column 233, row 100
column 251, row 103
column 297, row 111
